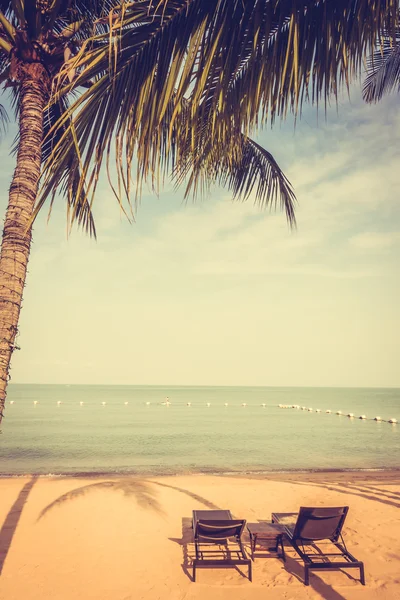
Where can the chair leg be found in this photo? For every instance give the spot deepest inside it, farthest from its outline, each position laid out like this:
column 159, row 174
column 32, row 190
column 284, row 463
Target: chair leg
column 362, row 574
column 283, row 550
column 250, row 572
column 252, row 545
column 306, row 575
column 194, row 573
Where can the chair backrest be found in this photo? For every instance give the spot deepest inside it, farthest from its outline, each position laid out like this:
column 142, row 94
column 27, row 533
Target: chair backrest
column 320, row 523
column 218, row 531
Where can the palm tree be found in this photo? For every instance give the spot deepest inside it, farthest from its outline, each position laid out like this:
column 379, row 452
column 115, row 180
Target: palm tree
column 35, row 39
column 177, row 85
column 383, row 68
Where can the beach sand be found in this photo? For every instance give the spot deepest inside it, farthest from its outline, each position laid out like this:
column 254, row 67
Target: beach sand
column 125, row 538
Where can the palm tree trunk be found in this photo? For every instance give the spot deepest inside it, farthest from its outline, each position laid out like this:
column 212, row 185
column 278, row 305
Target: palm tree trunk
column 17, row 233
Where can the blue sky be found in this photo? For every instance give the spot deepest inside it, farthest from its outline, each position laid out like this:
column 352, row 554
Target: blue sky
column 224, row 293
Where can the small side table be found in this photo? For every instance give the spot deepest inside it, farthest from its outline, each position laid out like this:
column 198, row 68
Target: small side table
column 268, row 536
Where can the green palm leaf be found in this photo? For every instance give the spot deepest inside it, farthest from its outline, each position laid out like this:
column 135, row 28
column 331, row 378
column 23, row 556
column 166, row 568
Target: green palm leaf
column 77, row 202
column 4, row 120
column 384, row 70
column 156, row 56
column 253, row 172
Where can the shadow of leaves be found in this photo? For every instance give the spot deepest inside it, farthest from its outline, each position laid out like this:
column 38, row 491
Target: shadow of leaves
column 144, row 494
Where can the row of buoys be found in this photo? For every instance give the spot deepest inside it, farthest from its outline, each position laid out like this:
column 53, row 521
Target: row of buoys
column 208, row 404
column 263, row 405
column 338, row 412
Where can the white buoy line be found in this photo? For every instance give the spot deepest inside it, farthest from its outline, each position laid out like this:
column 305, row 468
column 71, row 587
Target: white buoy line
column 350, row 415
column 165, row 403
column 168, row 403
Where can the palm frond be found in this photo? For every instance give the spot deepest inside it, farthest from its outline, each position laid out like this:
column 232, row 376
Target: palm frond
column 77, row 201
column 253, row 171
column 235, row 162
column 383, row 70
column 239, row 63
column 4, row 120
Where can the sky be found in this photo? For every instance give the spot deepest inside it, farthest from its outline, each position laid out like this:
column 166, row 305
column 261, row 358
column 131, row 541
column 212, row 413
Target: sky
column 223, row 293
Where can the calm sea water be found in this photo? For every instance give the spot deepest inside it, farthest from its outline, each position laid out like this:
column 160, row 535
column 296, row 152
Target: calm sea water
column 137, row 437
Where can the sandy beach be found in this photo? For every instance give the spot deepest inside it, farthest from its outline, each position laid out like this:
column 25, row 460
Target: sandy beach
column 130, row 538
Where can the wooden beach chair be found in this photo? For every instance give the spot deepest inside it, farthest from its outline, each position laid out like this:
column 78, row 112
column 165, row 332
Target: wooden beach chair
column 218, row 541
column 313, row 528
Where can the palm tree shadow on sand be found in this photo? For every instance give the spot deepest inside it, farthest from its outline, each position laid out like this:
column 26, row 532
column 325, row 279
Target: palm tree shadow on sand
column 192, row 495
column 368, row 492
column 10, row 524
column 141, row 490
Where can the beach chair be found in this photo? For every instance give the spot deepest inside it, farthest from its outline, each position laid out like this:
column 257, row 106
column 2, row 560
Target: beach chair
column 313, row 528
column 218, row 543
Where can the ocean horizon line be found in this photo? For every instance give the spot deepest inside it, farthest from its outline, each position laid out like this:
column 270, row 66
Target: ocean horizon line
column 209, row 385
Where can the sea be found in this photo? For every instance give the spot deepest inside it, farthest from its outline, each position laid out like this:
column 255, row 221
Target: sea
column 163, row 430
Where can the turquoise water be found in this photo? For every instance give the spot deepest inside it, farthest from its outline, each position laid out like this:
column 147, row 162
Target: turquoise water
column 156, row 439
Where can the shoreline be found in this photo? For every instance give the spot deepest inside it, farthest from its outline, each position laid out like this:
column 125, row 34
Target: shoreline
column 251, row 474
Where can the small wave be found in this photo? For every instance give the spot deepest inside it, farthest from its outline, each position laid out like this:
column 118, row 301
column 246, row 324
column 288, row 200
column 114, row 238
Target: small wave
column 202, row 472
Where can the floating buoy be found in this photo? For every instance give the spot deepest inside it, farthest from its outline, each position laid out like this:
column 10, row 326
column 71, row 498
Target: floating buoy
column 328, row 411
column 208, row 404
column 147, row 403
column 363, row 417
column 351, row 415
column 226, row 404
column 59, row 402
column 11, row 401
column 188, row 404
column 81, row 403
column 317, row 410
column 280, row 405
column 394, row 421
column 244, row 404
column 378, row 419
column 35, row 401
column 263, row 405
column 303, row 408
column 309, row 409
column 126, row 403
column 104, row 403
column 339, row 412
